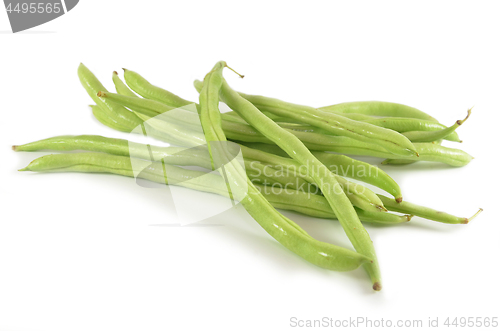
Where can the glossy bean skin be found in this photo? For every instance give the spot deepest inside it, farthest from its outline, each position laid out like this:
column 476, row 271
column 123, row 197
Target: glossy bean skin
column 170, row 155
column 425, row 212
column 175, row 135
column 401, row 124
column 121, row 87
column 328, row 184
column 345, row 166
column 149, row 91
column 113, row 111
column 427, row 151
column 430, row 136
column 378, row 108
column 108, row 120
column 437, row 153
column 281, row 228
column 287, row 199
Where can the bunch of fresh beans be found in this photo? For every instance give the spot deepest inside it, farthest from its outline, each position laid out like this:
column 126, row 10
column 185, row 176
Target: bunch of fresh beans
column 292, row 157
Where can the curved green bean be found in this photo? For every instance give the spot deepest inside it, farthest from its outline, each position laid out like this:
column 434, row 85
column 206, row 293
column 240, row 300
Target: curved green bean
column 278, row 226
column 121, row 87
column 378, row 108
column 147, row 90
column 287, row 199
column 327, row 182
column 430, row 136
column 426, row 212
column 403, row 124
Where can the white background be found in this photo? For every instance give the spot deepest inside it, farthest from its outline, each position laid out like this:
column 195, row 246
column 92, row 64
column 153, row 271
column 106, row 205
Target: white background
column 84, row 252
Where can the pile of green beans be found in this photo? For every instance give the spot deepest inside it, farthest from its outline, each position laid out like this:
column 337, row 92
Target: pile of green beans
column 267, row 154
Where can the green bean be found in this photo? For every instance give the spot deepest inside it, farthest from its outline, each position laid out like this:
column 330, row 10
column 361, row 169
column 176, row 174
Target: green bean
column 378, row 108
column 402, row 124
column 345, row 166
column 328, row 184
column 121, row 87
column 437, row 153
column 109, row 120
column 288, row 199
column 121, row 147
column 113, row 110
column 425, row 212
column 278, row 226
column 430, row 136
column 335, row 124
column 145, row 89
column 260, row 167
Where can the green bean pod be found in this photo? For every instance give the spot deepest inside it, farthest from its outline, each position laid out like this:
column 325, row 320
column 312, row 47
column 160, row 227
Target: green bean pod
column 288, row 199
column 109, row 120
column 114, row 111
column 437, row 153
column 430, row 136
column 402, row 124
column 278, row 226
column 426, row 212
column 378, row 108
column 121, row 87
column 149, row 91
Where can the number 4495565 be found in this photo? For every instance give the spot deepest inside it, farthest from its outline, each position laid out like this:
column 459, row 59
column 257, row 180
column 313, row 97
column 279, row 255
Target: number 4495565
column 33, row 8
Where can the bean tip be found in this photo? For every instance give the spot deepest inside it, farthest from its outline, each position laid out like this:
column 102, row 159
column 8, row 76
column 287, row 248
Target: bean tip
column 101, row 94
column 377, row 286
column 14, row 148
column 115, row 73
column 409, row 217
column 124, row 69
column 399, row 199
column 24, row 169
